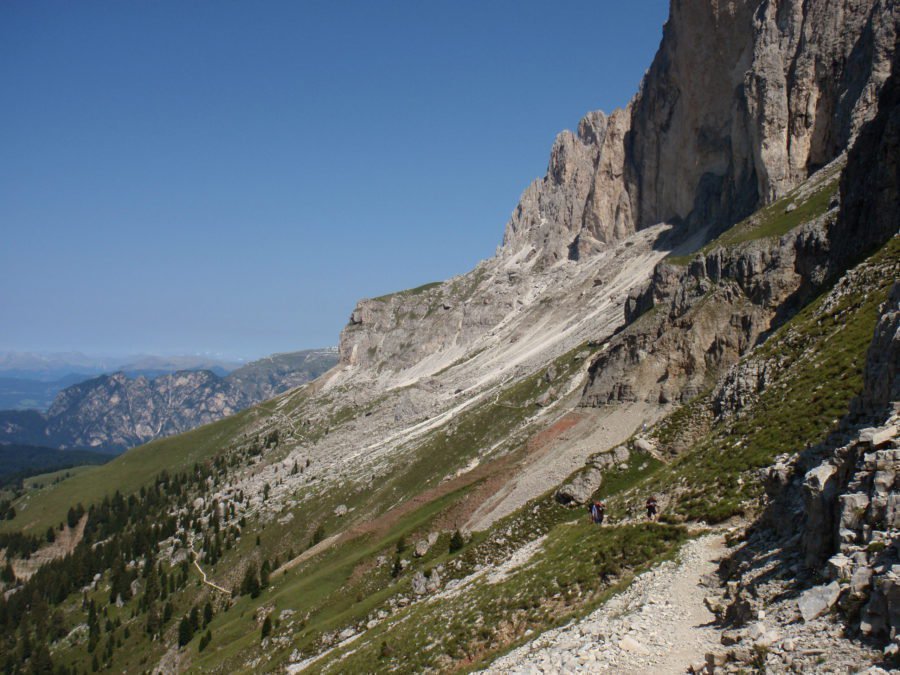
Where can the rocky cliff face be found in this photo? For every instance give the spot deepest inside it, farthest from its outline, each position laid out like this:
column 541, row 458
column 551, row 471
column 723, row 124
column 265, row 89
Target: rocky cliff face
column 869, row 187
column 115, row 412
column 698, row 316
column 744, row 101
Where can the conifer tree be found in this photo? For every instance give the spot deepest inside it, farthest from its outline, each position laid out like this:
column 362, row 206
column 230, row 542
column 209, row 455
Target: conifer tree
column 457, row 542
column 264, row 574
column 185, row 632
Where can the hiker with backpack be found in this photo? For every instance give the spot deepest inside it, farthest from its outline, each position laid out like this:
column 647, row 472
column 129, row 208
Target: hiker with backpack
column 597, row 511
column 651, row 508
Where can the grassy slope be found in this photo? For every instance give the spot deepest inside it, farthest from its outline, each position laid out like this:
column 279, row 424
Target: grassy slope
column 126, row 473
column 311, row 589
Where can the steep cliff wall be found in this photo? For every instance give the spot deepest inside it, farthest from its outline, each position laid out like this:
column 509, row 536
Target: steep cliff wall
column 698, row 316
column 743, row 101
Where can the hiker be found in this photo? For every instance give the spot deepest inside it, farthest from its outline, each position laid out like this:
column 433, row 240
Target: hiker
column 598, row 510
column 651, row 508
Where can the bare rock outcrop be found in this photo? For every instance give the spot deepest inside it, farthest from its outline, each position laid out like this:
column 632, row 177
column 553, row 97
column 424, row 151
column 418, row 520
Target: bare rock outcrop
column 706, row 316
column 580, row 488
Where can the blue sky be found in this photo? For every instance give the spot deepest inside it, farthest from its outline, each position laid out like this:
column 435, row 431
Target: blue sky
column 230, row 177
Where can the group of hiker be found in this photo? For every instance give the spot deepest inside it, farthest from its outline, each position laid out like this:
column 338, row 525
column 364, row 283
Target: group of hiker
column 597, row 510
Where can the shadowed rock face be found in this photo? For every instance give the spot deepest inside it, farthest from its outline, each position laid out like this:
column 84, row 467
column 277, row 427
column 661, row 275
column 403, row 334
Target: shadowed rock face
column 743, row 101
column 870, row 187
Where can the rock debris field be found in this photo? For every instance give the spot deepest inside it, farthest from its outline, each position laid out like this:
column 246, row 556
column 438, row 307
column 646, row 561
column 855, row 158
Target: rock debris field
column 659, row 624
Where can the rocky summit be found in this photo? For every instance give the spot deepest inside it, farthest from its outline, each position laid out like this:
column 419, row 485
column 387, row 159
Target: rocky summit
column 692, row 321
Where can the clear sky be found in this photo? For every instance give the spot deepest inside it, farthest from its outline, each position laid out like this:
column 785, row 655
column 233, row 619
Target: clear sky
column 230, row 177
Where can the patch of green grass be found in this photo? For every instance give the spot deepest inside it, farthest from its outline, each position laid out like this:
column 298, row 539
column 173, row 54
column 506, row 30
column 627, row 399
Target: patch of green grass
column 572, row 573
column 418, row 290
column 127, row 473
column 773, row 220
column 323, row 590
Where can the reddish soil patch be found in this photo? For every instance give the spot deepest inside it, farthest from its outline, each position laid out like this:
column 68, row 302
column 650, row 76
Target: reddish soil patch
column 490, row 477
column 543, row 438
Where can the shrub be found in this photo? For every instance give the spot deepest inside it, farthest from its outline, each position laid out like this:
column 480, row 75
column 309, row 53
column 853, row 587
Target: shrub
column 185, row 632
column 457, row 542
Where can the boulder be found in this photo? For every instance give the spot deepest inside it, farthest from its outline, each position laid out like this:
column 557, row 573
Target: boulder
column 419, row 584
column 819, row 488
column 878, row 436
column 839, row 567
column 615, row 457
column 644, row 445
column 434, row 582
column 580, row 488
column 818, row 600
column 341, row 510
column 422, row 547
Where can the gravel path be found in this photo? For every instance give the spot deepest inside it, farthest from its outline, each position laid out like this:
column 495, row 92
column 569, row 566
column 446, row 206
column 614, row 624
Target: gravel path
column 658, row 625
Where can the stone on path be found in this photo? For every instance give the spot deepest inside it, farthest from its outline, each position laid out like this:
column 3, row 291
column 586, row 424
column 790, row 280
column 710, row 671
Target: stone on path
column 816, row 601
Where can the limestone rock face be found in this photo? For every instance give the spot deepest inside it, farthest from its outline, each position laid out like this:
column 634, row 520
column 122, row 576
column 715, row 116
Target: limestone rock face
column 510, row 303
column 707, row 315
column 581, row 196
column 743, row 101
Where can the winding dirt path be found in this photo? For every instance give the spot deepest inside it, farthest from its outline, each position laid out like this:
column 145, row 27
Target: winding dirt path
column 203, row 575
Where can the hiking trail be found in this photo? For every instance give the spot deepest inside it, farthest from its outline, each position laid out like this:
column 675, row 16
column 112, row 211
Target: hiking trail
column 659, row 624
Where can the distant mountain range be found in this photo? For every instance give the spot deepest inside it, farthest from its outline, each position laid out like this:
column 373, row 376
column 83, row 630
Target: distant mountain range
column 52, row 366
column 119, row 411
